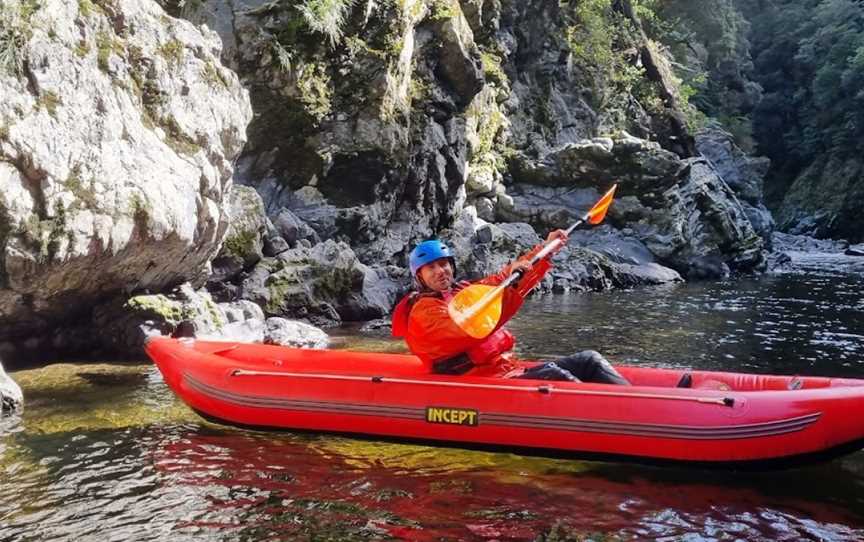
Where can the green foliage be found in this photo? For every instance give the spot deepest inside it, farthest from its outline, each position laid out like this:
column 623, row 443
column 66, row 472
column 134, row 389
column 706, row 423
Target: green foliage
column 283, row 55
column 709, row 43
column 492, row 69
column 15, row 32
column 12, row 42
column 602, row 42
column 82, row 49
column 811, row 64
column 327, row 17
column 741, row 128
column 241, row 244
column 592, row 35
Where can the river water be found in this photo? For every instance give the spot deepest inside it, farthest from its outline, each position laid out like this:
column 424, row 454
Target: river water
column 105, row 452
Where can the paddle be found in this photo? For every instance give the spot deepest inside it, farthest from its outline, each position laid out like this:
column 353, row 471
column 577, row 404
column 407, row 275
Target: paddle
column 477, row 308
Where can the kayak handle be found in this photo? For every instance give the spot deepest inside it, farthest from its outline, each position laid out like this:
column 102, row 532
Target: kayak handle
column 544, row 389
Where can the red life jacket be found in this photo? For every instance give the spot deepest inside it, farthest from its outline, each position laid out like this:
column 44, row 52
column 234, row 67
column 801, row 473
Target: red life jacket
column 423, row 320
column 492, row 347
column 445, row 347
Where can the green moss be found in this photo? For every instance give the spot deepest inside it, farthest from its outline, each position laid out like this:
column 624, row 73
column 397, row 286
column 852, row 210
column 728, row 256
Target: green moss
column 152, row 99
column 213, row 312
column 105, row 45
column 489, row 121
column 444, row 9
column 419, row 89
column 138, row 206
column 27, row 8
column 171, row 51
column 43, row 236
column 177, row 138
column 83, row 190
column 241, row 243
column 316, row 92
column 277, row 288
column 86, row 7
column 48, row 101
column 82, row 49
column 171, row 311
column 213, row 75
column 492, row 69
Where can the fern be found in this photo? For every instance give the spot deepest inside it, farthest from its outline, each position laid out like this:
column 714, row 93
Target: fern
column 12, row 42
column 284, row 57
column 327, row 17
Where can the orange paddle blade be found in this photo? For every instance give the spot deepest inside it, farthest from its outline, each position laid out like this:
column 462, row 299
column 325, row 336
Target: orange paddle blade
column 481, row 323
column 598, row 212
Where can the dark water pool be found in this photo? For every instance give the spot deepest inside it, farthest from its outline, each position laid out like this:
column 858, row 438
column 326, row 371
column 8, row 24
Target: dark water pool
column 105, row 452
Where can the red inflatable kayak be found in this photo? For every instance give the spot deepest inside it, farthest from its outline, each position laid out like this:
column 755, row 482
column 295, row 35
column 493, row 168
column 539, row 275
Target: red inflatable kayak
column 721, row 418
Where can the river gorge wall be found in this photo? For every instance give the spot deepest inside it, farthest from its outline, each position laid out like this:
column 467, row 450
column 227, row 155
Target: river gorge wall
column 243, row 164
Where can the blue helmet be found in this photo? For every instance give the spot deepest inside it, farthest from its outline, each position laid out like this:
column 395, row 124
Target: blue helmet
column 428, row 252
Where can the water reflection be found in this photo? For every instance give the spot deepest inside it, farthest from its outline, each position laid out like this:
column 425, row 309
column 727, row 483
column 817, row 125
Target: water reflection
column 191, row 481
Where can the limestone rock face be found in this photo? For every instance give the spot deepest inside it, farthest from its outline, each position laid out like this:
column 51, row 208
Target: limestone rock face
column 361, row 137
column 325, row 285
column 470, row 103
column 593, row 260
column 243, row 245
column 680, row 209
column 188, row 312
column 118, row 129
column 744, row 174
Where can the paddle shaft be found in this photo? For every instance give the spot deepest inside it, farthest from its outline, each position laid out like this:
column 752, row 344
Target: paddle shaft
column 490, row 296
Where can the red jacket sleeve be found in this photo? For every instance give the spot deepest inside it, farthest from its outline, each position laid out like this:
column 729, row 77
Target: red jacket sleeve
column 514, row 297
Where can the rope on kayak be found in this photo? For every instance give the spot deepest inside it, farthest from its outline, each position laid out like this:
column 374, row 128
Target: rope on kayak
column 546, row 389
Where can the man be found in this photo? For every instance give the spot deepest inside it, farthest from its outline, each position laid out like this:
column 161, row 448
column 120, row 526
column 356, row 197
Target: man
column 432, row 335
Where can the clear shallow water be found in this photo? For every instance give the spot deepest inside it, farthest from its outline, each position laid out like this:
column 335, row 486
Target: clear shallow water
column 105, row 452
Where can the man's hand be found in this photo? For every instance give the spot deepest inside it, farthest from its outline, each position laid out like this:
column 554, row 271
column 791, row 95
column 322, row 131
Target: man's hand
column 520, row 266
column 560, row 235
column 557, row 234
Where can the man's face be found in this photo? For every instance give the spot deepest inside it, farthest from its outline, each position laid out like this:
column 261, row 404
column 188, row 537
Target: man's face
column 437, row 275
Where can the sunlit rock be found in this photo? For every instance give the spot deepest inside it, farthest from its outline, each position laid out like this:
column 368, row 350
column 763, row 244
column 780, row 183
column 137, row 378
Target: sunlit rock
column 117, row 134
column 11, row 397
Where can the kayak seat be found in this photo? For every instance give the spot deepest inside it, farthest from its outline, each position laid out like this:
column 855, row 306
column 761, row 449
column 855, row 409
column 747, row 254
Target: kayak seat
column 686, row 381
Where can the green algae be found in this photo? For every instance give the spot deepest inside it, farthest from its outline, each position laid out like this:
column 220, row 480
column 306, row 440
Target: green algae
column 66, row 397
